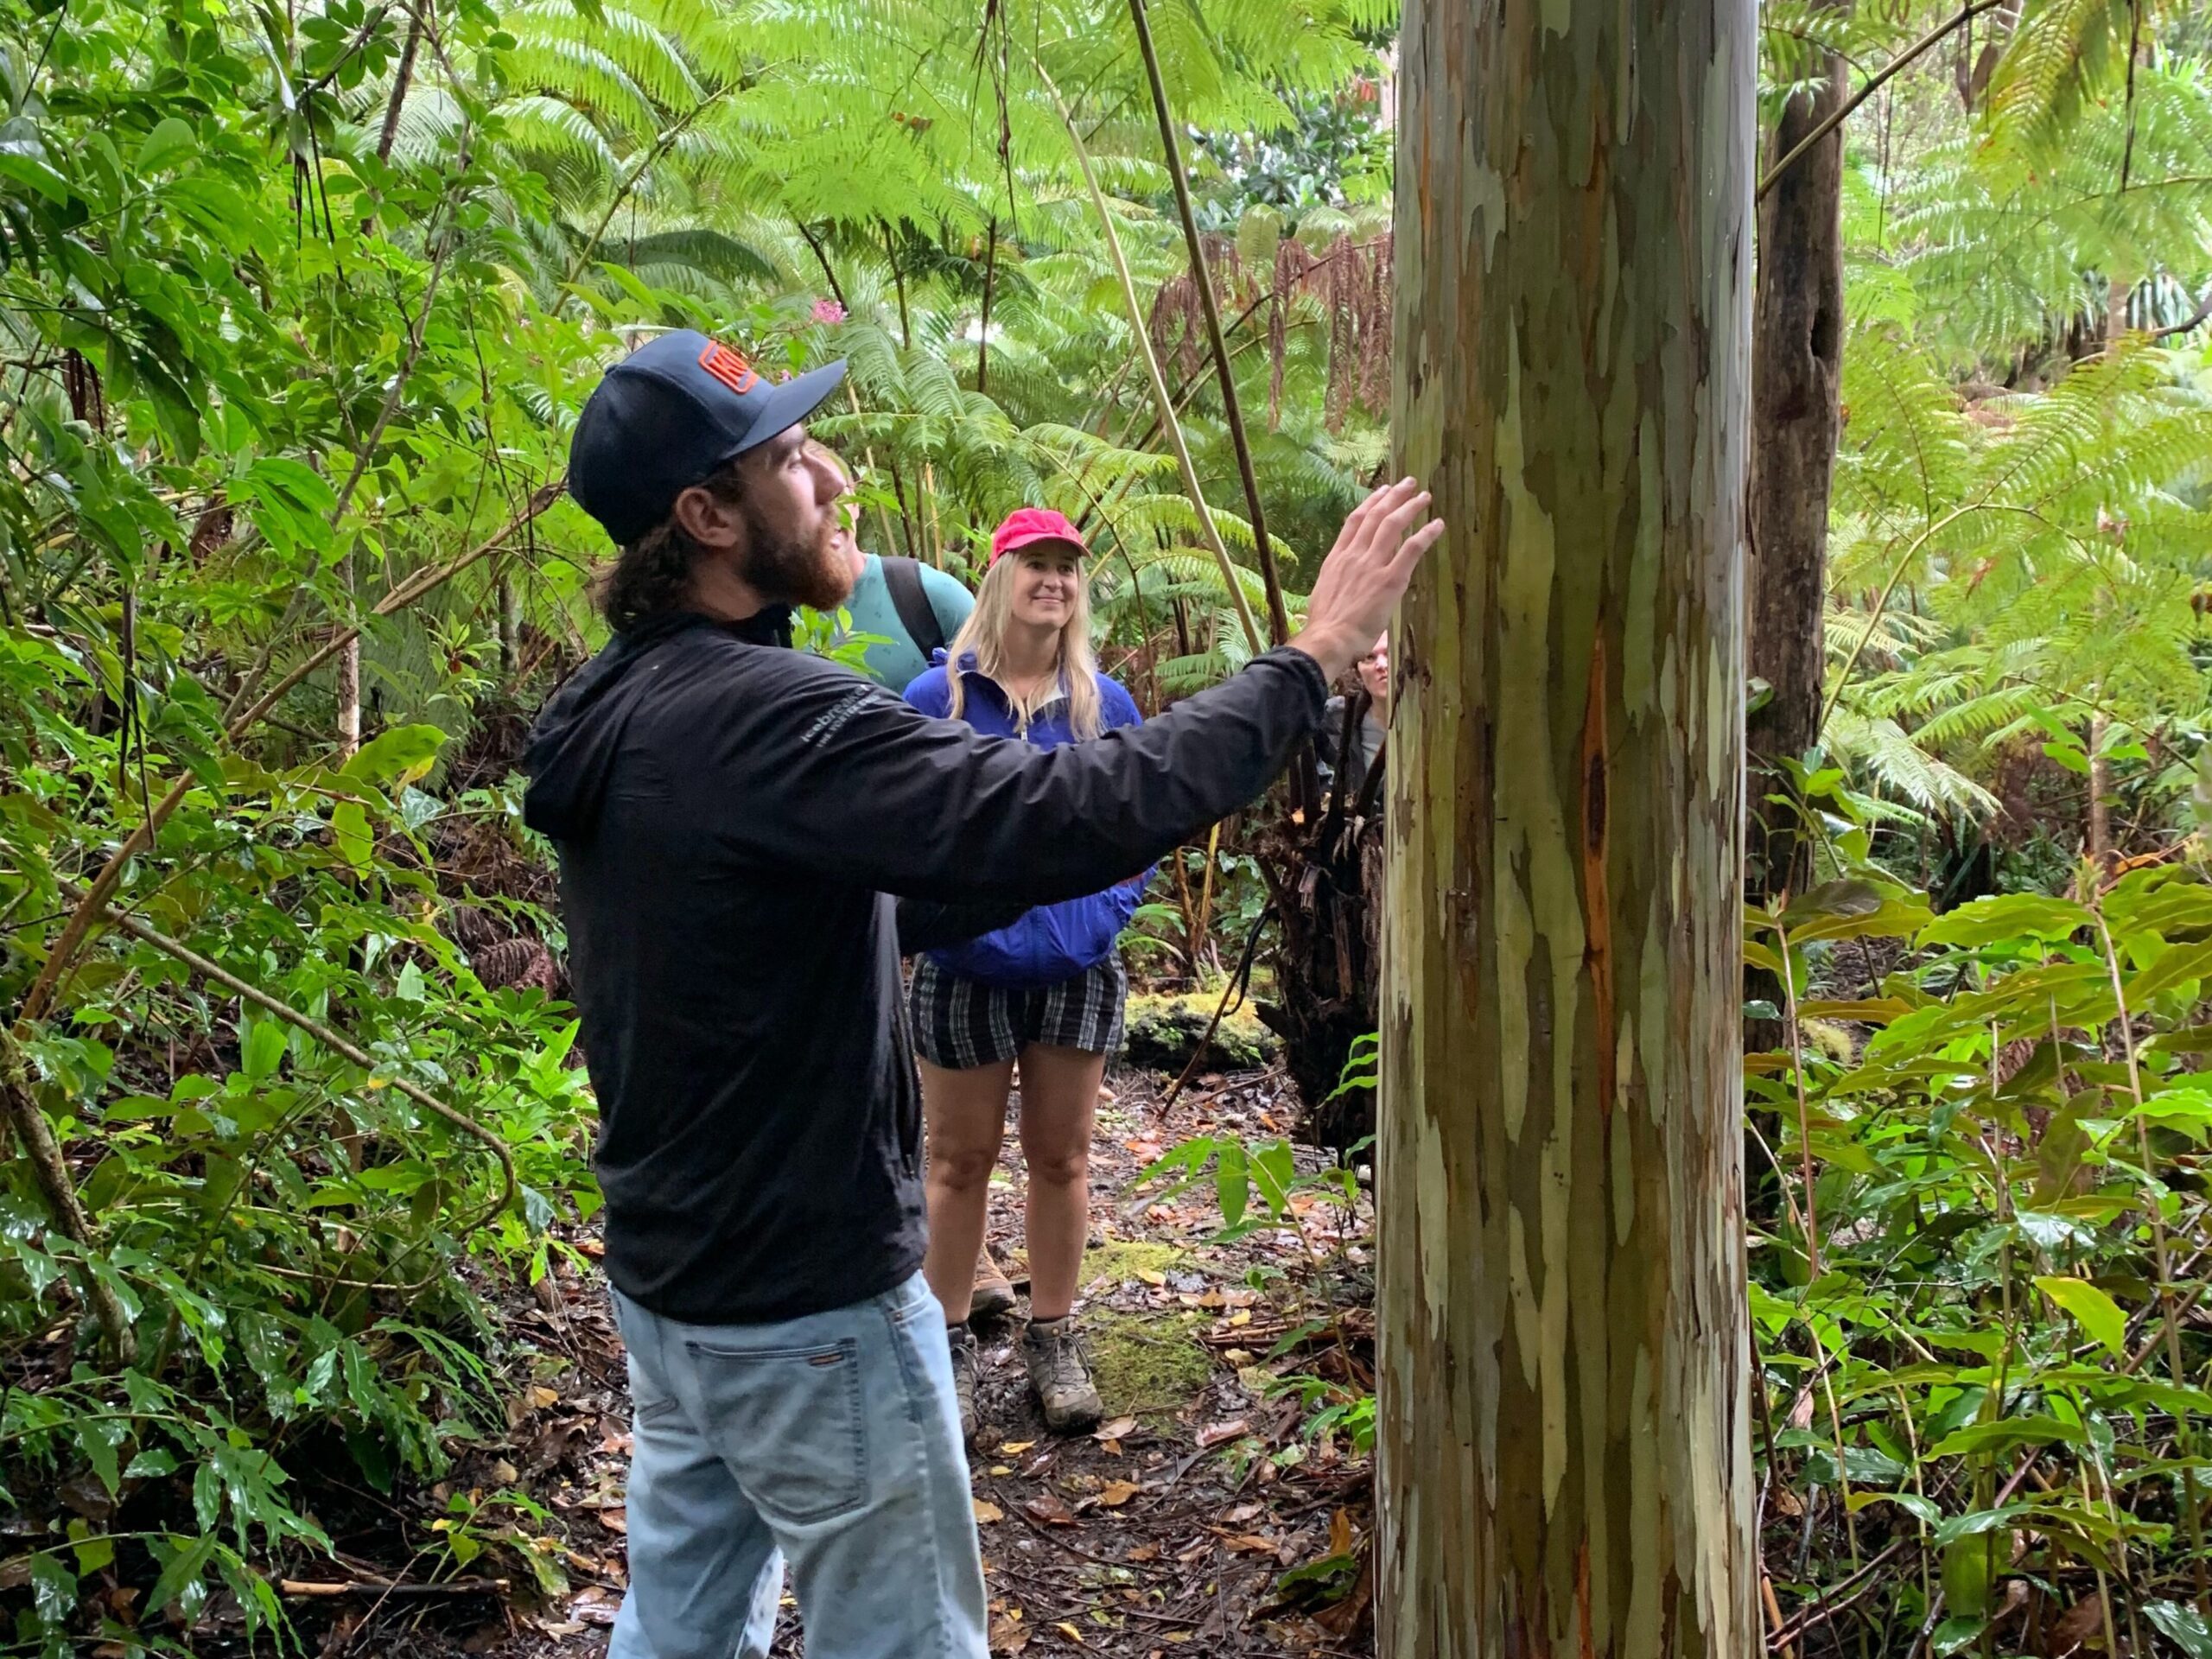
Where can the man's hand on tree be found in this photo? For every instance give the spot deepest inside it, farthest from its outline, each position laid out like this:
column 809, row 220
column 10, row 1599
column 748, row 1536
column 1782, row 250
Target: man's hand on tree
column 1365, row 575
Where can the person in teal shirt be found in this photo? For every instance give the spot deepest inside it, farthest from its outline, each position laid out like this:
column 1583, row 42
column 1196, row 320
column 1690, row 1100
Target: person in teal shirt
column 898, row 600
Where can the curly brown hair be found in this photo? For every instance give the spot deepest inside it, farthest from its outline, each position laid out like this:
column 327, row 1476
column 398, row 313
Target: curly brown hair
column 653, row 574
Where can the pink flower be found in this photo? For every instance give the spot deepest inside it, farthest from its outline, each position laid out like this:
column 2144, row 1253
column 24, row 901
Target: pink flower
column 829, row 311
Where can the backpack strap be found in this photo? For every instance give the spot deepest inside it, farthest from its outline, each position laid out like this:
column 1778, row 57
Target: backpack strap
column 903, row 577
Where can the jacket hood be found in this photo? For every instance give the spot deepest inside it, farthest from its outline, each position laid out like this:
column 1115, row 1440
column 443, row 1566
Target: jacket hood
column 572, row 747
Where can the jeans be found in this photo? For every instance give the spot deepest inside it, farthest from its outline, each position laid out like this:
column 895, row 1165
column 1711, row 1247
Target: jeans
column 832, row 1441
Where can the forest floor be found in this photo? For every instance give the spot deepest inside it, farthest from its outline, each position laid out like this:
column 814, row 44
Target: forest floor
column 1202, row 1517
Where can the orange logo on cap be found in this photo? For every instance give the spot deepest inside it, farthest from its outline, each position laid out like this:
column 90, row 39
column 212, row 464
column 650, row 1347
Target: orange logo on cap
column 730, row 368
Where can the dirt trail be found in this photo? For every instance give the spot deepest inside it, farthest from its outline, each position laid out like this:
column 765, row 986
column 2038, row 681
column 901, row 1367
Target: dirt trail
column 1168, row 1532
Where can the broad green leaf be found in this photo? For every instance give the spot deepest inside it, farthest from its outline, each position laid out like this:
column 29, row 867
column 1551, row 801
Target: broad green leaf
column 351, row 835
column 1925, row 1509
column 2097, row 1313
column 263, row 1047
column 1957, row 1633
column 54, row 1587
column 1976, row 1521
column 1232, row 1186
column 2017, row 916
column 170, row 140
column 402, row 753
column 2177, row 965
column 2007, row 1432
column 2183, row 1625
column 181, row 1571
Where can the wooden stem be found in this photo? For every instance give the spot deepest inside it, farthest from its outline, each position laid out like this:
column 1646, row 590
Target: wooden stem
column 1278, row 616
column 1162, row 399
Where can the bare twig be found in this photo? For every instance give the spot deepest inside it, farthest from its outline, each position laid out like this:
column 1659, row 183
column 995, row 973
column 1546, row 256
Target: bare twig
column 308, row 1587
column 1875, row 83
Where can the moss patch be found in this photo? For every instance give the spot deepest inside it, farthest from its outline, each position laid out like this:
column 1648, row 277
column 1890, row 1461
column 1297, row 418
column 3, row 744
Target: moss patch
column 1163, row 1030
column 1126, row 1258
column 1146, row 1364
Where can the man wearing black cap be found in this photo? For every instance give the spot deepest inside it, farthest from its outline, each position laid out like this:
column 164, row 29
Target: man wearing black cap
column 733, row 819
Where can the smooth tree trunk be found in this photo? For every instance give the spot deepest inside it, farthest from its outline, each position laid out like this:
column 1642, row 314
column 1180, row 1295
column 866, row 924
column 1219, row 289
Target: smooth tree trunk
column 1563, row 1448
column 1797, row 360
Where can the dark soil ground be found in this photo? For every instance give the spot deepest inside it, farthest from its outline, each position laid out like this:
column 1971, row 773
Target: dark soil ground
column 1202, row 1518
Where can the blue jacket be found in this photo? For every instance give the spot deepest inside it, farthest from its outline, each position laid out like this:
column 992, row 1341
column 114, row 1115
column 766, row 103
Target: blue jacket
column 1050, row 942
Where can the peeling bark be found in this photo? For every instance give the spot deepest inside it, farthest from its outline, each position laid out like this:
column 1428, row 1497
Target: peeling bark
column 1563, row 1451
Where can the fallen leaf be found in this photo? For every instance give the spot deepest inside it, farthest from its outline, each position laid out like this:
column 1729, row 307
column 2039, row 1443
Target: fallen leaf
column 541, row 1396
column 2072, row 1627
column 1111, row 1448
column 1116, row 1493
column 1240, row 1514
column 1015, row 1448
column 1151, row 1276
column 1214, row 1433
column 1340, row 1533
column 1143, row 1552
column 1248, row 1542
column 504, row 1472
column 1001, row 1468
column 1070, row 1631
column 1047, row 1509
column 1242, row 1316
column 1120, row 1428
column 616, row 1519
column 987, row 1512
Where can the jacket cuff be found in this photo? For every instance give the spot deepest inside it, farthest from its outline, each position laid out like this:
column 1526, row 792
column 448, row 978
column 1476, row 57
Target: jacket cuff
column 1307, row 673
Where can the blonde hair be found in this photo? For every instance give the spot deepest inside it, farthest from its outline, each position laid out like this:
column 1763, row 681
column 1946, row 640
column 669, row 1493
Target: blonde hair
column 983, row 636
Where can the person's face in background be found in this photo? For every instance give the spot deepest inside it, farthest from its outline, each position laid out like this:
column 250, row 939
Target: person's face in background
column 1375, row 672
column 1046, row 576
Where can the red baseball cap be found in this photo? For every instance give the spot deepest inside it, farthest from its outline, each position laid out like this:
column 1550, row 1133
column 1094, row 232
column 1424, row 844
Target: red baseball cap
column 1027, row 524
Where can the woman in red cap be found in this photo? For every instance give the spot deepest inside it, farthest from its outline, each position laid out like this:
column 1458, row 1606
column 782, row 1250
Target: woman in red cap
column 1047, row 990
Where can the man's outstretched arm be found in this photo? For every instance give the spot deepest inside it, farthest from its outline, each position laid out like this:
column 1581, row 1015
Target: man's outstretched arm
column 838, row 776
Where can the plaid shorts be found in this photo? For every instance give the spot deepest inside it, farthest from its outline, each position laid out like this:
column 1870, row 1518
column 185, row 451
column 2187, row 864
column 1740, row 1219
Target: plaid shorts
column 962, row 1023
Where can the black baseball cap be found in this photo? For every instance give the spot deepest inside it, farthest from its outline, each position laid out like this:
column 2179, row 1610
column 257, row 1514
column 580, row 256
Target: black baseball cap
column 667, row 417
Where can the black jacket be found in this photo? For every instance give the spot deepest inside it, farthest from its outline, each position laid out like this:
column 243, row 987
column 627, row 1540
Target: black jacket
column 731, row 815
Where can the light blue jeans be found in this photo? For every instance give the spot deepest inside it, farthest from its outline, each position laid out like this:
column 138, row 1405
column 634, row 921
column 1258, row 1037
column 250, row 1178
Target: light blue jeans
column 832, row 1441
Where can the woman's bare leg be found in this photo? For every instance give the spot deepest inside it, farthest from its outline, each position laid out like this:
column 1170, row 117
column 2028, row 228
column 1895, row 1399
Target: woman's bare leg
column 1059, row 1097
column 965, row 1111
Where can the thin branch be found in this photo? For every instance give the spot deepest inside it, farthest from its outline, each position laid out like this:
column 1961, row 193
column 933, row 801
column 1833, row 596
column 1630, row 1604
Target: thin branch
column 1162, row 398
column 49, row 1169
column 1278, row 617
column 1881, row 77
column 81, row 919
column 338, row 1045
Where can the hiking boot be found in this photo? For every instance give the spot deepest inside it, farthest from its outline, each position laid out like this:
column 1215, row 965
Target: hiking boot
column 964, row 1377
column 993, row 1296
column 1059, row 1371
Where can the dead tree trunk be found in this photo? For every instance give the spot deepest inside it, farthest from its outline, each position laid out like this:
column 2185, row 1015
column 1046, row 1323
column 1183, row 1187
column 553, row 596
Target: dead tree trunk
column 1796, row 356
column 1563, row 1446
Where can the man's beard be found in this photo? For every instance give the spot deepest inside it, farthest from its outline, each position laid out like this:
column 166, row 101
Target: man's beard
column 787, row 569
